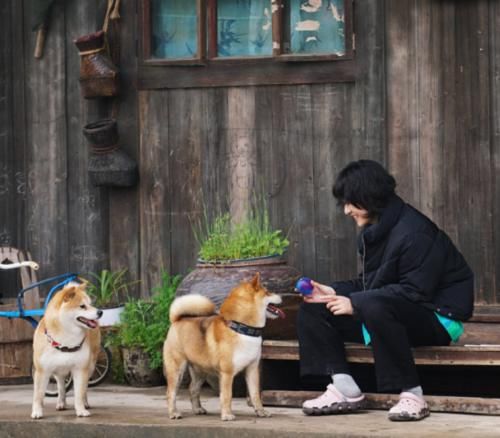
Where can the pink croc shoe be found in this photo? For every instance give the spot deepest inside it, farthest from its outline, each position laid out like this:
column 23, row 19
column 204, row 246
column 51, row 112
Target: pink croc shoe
column 409, row 408
column 332, row 402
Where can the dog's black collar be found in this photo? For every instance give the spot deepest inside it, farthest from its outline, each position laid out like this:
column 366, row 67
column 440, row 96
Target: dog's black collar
column 60, row 347
column 244, row 329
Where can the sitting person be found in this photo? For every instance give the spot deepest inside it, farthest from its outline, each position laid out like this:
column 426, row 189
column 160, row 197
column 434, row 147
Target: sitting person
column 414, row 289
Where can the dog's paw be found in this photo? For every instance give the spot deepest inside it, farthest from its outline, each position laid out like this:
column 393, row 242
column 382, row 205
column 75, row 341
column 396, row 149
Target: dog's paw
column 200, row 411
column 262, row 413
column 175, row 416
column 82, row 413
column 227, row 417
column 36, row 413
column 60, row 406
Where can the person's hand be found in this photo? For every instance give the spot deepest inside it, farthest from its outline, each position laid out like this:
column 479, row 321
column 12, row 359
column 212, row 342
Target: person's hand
column 340, row 305
column 320, row 294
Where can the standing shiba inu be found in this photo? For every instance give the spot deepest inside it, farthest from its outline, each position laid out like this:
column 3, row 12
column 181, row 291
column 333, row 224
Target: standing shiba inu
column 222, row 344
column 67, row 340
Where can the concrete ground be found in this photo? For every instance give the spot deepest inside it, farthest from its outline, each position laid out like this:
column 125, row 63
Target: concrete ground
column 122, row 412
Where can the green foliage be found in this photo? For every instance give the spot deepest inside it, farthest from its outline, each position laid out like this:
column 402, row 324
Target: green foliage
column 144, row 324
column 107, row 288
column 222, row 240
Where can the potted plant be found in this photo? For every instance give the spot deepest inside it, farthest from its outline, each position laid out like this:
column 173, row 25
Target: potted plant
column 141, row 332
column 108, row 290
column 232, row 252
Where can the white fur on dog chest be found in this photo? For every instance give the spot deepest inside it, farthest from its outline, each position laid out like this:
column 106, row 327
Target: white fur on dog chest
column 248, row 350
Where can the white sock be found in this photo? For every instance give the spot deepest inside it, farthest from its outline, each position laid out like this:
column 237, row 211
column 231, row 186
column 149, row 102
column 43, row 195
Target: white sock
column 346, row 385
column 417, row 390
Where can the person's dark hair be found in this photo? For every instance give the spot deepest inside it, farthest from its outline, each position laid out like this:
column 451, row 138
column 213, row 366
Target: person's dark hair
column 365, row 184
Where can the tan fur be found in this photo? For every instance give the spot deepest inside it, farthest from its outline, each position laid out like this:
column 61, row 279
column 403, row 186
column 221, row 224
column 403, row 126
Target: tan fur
column 202, row 341
column 60, row 321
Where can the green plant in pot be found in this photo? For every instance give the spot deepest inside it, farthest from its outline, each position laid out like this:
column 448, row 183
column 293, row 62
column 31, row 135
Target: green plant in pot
column 222, row 239
column 109, row 289
column 142, row 331
column 231, row 252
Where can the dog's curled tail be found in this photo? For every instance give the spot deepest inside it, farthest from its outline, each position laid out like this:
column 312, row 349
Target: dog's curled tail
column 191, row 305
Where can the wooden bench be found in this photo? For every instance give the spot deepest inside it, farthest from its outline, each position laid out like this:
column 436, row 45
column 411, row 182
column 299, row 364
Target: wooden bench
column 480, row 346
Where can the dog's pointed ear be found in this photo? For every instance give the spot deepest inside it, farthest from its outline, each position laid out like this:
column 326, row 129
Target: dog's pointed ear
column 83, row 282
column 69, row 294
column 256, row 281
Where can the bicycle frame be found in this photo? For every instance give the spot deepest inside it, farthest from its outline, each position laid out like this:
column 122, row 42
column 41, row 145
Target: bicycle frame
column 30, row 314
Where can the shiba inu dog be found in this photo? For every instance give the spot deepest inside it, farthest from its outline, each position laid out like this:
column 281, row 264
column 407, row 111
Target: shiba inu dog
column 67, row 340
column 223, row 344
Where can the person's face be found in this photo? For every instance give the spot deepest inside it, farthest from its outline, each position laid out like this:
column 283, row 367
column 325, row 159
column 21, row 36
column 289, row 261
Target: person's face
column 359, row 215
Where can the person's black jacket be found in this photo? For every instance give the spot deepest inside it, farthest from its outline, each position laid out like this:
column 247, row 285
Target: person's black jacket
column 406, row 254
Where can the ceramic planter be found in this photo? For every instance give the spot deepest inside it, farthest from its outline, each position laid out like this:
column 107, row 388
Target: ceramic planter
column 137, row 369
column 215, row 280
column 111, row 316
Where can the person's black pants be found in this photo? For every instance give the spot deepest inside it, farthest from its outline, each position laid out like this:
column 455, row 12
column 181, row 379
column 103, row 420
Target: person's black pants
column 395, row 325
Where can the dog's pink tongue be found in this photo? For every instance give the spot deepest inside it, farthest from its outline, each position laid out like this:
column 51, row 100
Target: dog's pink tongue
column 276, row 310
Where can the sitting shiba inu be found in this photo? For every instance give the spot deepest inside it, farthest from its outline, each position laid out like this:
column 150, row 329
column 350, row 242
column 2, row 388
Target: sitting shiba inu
column 67, row 340
column 222, row 344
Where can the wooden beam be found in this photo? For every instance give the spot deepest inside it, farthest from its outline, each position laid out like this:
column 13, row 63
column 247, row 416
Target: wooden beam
column 468, row 405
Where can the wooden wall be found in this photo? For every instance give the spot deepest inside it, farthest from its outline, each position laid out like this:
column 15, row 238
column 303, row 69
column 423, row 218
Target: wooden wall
column 425, row 102
column 443, row 114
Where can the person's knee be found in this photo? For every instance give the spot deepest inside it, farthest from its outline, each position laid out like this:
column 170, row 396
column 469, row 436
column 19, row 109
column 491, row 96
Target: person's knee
column 373, row 309
column 310, row 314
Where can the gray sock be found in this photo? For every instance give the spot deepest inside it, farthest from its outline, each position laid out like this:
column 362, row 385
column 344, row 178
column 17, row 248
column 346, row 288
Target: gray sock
column 346, row 385
column 417, row 390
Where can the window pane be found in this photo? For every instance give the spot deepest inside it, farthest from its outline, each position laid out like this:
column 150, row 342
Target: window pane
column 317, row 26
column 244, row 28
column 174, row 29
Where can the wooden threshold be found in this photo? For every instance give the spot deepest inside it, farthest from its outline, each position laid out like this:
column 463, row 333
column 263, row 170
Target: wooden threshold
column 468, row 405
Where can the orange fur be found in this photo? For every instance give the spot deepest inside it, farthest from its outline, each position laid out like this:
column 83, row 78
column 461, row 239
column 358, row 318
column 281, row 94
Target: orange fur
column 63, row 323
column 206, row 345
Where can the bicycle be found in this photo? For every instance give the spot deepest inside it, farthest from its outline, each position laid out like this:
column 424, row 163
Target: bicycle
column 103, row 364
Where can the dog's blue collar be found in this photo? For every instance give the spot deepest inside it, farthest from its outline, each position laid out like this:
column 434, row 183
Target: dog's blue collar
column 244, row 329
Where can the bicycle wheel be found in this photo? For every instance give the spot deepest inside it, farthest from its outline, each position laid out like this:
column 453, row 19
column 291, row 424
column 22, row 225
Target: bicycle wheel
column 51, row 390
column 102, row 367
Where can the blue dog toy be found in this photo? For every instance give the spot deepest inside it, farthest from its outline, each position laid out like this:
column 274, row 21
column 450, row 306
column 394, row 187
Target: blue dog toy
column 304, row 286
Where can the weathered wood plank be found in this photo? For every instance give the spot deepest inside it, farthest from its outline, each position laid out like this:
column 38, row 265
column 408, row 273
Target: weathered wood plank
column 214, row 168
column 15, row 360
column 335, row 253
column 7, row 197
column 429, row 108
column 468, row 405
column 450, row 171
column 241, row 150
column 473, row 134
column 155, row 251
column 88, row 211
column 297, row 198
column 476, row 355
column 494, row 51
column 46, row 123
column 402, row 125
column 186, row 141
column 123, row 214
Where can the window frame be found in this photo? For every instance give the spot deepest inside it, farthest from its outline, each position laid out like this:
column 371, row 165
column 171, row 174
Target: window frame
column 209, row 70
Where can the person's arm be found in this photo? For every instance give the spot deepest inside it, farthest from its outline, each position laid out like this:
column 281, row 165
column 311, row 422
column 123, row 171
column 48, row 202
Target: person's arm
column 346, row 287
column 420, row 268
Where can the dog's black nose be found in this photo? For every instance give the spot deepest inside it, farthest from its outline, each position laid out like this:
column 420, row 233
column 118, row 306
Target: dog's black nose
column 99, row 313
